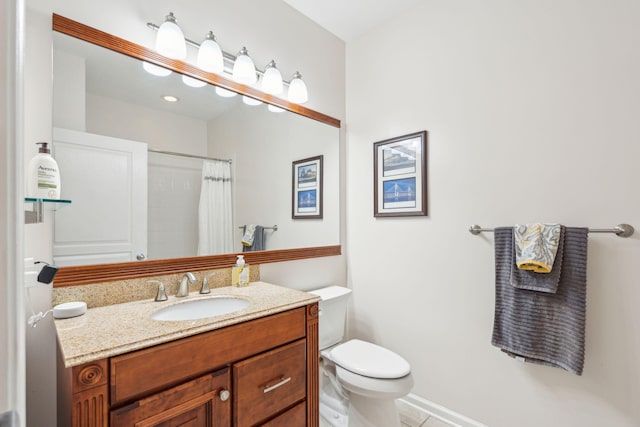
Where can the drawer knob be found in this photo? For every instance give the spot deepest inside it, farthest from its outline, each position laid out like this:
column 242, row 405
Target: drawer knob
column 224, row 395
column 282, row 382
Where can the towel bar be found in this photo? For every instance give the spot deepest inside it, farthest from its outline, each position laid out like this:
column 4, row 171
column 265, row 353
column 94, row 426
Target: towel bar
column 274, row 228
column 621, row 230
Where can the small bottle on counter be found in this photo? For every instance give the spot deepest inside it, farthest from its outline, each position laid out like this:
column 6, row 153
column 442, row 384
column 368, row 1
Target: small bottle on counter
column 240, row 273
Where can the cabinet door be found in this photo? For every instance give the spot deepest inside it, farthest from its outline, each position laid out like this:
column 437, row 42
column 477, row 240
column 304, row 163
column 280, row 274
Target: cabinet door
column 269, row 383
column 203, row 402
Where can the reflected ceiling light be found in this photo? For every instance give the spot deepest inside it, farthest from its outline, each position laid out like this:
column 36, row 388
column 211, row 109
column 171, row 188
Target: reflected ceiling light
column 170, row 41
column 275, row 109
column 297, row 90
column 250, row 101
column 225, row 93
column 210, row 55
column 271, row 79
column 244, row 70
column 190, row 81
column 170, row 98
column 155, row 70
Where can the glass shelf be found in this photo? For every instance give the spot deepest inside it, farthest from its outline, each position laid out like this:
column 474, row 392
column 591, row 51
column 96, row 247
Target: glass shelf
column 34, row 215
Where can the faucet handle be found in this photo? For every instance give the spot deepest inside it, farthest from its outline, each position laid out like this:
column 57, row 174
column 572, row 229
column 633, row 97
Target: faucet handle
column 205, row 286
column 161, row 295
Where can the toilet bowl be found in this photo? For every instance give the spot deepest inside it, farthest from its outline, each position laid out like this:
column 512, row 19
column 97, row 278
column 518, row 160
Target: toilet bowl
column 360, row 378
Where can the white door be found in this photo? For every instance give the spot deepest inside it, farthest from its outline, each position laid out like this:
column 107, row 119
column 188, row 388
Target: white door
column 106, row 180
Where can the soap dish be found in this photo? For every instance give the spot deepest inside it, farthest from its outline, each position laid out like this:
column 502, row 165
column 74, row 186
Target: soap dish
column 69, row 309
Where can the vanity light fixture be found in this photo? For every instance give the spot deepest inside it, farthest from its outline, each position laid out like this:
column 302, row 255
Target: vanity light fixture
column 271, row 79
column 213, row 59
column 275, row 109
column 297, row 90
column 155, row 70
column 244, row 70
column 210, row 55
column 250, row 101
column 190, row 81
column 225, row 93
column 170, row 41
column 170, row 98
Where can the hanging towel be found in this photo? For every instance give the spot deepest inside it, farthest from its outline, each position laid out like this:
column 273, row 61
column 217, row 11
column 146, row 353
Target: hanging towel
column 541, row 327
column 249, row 235
column 258, row 240
column 526, row 279
column 536, row 246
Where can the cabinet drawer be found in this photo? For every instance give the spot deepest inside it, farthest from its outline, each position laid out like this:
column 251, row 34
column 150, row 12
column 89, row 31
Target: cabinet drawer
column 269, row 383
column 294, row 417
column 133, row 375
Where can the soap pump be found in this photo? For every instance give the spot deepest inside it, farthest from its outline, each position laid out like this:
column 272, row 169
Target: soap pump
column 240, row 272
column 44, row 175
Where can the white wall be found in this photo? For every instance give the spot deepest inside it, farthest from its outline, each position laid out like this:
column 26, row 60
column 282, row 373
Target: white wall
column 270, row 30
column 532, row 110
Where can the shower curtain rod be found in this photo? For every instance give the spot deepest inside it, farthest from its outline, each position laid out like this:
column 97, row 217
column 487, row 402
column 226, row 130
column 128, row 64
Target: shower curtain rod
column 621, row 230
column 193, row 156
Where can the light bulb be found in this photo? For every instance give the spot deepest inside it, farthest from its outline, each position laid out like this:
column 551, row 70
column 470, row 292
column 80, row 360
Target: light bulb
column 190, row 81
column 250, row 101
column 271, row 79
column 155, row 70
column 298, row 90
column 170, row 40
column 225, row 93
column 244, row 70
column 210, row 55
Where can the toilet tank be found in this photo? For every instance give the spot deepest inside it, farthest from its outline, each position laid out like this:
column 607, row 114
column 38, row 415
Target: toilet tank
column 333, row 314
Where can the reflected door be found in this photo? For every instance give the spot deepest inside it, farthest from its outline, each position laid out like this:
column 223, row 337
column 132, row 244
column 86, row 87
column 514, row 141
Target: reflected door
column 106, row 180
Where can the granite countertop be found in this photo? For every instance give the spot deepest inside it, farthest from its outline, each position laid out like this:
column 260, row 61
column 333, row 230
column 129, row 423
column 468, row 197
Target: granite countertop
column 116, row 329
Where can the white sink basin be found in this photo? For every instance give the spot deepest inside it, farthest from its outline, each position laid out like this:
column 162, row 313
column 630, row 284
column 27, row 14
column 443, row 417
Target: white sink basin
column 200, row 308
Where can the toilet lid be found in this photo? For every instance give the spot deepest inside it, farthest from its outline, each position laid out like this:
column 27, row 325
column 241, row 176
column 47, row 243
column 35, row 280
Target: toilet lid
column 365, row 358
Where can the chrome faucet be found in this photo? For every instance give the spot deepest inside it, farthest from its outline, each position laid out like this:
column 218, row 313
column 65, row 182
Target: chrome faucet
column 183, row 289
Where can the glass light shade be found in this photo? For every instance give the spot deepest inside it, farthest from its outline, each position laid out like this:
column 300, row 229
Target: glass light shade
column 272, row 80
column 170, row 40
column 155, row 70
column 244, row 70
column 225, row 93
column 250, row 101
column 275, row 109
column 298, row 90
column 210, row 55
column 190, row 81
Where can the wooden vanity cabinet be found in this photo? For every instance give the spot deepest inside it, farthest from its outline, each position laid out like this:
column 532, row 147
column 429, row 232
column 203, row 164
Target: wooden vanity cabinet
column 262, row 372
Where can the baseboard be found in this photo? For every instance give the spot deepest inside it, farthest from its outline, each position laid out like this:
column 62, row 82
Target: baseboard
column 440, row 412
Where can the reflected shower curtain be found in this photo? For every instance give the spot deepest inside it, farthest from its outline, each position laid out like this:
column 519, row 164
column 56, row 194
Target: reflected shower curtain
column 215, row 222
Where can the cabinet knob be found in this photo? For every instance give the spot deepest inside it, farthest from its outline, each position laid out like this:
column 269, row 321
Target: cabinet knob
column 140, row 257
column 224, row 395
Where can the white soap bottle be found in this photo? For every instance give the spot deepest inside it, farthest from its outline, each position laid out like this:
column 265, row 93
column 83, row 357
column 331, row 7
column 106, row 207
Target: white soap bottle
column 43, row 181
column 240, row 273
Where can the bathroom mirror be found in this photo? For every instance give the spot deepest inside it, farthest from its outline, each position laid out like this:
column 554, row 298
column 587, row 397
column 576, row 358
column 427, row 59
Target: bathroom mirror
column 261, row 145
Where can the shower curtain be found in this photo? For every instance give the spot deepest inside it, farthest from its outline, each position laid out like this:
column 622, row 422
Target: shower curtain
column 215, row 222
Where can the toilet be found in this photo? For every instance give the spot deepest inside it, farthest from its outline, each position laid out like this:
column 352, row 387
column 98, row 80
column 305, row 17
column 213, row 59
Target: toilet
column 360, row 381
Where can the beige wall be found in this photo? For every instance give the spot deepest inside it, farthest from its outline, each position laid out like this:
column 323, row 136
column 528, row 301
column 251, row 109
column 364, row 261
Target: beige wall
column 269, row 29
column 532, row 110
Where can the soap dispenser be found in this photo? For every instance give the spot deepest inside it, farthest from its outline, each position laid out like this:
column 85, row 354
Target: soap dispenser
column 43, row 181
column 240, row 272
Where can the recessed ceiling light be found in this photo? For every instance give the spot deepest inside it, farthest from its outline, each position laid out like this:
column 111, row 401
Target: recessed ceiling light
column 170, row 98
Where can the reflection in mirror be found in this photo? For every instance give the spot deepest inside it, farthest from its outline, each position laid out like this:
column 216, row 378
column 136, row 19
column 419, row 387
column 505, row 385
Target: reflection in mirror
column 108, row 98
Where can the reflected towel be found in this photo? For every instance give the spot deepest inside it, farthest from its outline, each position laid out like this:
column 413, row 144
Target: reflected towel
column 536, row 246
column 258, row 240
column 525, row 279
column 540, row 327
column 249, row 235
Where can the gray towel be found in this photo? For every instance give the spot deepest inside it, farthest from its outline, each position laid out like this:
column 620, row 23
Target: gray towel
column 540, row 327
column 541, row 282
column 258, row 241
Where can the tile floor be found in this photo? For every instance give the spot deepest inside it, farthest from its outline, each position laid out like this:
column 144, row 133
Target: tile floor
column 409, row 417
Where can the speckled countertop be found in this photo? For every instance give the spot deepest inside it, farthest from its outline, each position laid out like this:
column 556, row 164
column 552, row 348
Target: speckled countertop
column 116, row 329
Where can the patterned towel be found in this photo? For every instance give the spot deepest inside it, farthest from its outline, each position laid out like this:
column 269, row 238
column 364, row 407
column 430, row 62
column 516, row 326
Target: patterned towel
column 541, row 327
column 249, row 235
column 527, row 279
column 536, row 246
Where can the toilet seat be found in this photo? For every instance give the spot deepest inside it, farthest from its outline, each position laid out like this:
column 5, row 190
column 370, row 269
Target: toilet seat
column 370, row 360
column 374, row 388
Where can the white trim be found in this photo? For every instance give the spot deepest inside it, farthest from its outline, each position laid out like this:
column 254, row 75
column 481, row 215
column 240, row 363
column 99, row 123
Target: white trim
column 440, row 412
